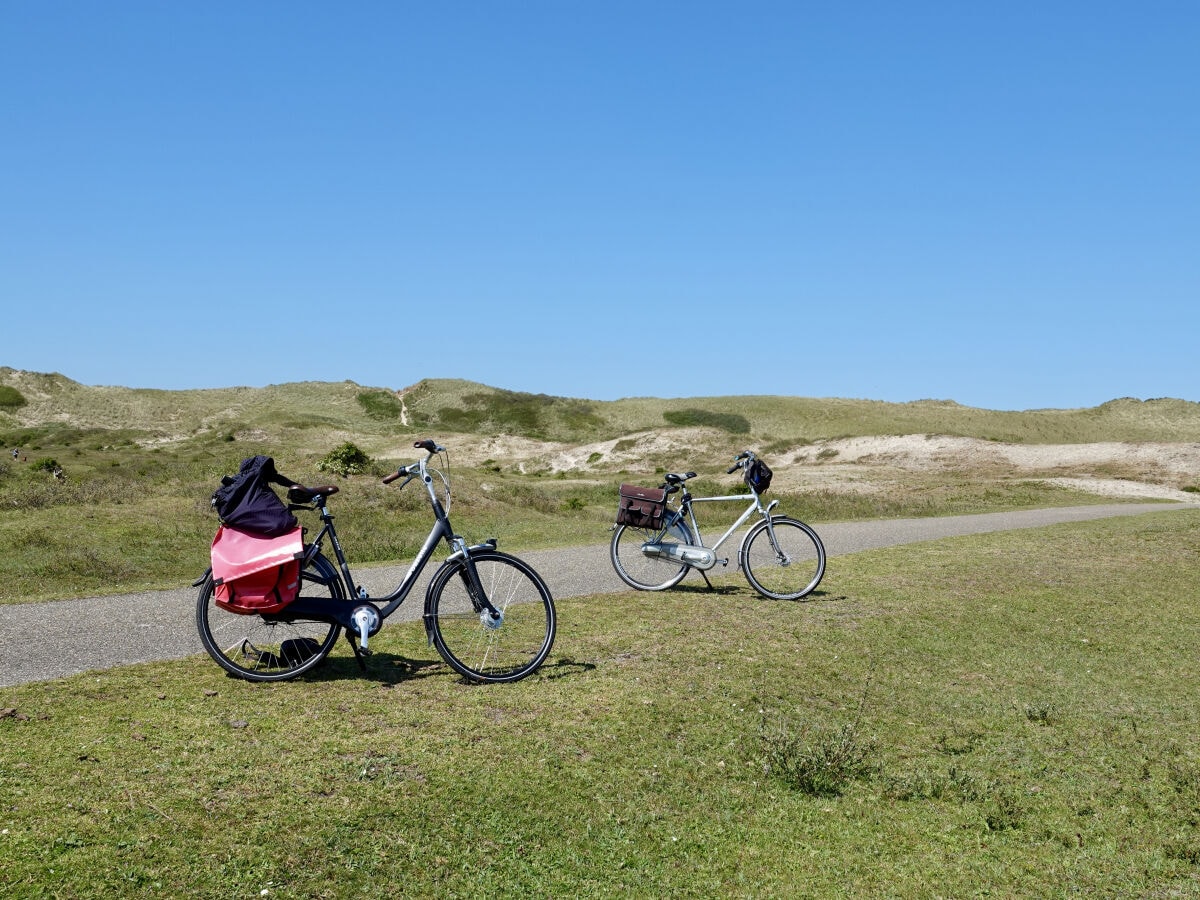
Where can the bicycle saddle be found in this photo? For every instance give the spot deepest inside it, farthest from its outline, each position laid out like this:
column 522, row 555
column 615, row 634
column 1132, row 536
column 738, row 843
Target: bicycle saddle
column 301, row 494
column 678, row 478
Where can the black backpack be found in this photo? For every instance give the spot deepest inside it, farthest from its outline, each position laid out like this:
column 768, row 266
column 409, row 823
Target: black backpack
column 758, row 476
column 246, row 502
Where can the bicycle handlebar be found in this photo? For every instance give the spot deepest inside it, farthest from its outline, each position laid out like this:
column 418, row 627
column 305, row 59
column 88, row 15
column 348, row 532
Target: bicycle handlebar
column 739, row 461
column 431, row 447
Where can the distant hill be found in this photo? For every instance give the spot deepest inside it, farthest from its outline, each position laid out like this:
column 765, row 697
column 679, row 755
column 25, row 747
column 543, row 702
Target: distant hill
column 31, row 400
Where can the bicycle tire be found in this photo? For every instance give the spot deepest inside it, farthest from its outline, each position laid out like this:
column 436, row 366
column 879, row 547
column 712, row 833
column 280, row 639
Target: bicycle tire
column 270, row 647
column 645, row 573
column 795, row 576
column 476, row 649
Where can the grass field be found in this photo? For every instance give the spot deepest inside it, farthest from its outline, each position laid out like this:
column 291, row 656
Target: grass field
column 1008, row 715
column 1011, row 715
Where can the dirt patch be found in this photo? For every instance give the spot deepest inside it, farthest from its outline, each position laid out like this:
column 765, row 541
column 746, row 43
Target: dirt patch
column 1114, row 487
column 1113, row 469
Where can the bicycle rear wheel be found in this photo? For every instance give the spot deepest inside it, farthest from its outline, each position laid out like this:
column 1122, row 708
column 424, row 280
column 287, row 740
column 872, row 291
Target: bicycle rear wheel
column 270, row 647
column 647, row 573
column 788, row 571
column 470, row 641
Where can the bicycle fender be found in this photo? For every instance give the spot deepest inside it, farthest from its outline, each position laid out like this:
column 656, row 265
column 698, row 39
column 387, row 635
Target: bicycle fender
column 489, row 544
column 199, row 581
column 455, row 560
column 427, row 616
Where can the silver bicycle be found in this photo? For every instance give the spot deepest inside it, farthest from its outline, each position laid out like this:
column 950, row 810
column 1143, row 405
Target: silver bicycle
column 654, row 545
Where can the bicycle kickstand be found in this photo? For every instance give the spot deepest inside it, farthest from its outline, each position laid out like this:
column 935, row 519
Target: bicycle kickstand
column 360, row 655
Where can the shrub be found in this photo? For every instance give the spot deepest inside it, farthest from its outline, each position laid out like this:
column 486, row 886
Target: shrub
column 345, row 460
column 730, row 422
column 45, row 464
column 815, row 762
column 11, row 398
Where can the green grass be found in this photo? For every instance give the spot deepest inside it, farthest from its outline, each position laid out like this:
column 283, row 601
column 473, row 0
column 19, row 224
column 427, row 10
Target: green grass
column 1002, row 715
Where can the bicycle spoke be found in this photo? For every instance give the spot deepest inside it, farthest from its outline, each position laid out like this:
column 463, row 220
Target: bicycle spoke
column 473, row 643
column 257, row 648
column 647, row 573
column 784, row 561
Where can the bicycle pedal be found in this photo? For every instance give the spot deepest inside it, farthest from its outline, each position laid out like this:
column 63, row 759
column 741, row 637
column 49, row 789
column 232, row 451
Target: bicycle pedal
column 723, row 562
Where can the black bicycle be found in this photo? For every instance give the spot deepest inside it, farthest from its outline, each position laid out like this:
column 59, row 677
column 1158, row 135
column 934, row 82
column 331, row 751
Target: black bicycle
column 489, row 614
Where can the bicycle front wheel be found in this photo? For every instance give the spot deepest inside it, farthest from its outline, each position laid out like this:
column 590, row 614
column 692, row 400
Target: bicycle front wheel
column 478, row 646
column 271, row 647
column 647, row 573
column 788, row 567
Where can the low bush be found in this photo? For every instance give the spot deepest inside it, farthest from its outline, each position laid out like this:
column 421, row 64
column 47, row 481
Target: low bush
column 730, row 422
column 345, row 460
column 11, row 398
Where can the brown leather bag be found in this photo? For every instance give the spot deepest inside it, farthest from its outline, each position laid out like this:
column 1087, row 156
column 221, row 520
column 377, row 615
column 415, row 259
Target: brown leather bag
column 642, row 507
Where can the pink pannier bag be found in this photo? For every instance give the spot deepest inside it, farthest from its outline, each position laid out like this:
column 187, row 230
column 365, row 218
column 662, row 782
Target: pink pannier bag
column 256, row 574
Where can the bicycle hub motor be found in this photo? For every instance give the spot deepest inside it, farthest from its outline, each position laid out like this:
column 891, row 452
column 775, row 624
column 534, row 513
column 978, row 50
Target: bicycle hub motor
column 689, row 554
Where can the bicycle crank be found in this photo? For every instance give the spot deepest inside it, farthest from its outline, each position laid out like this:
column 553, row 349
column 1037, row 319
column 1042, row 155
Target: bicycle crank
column 689, row 554
column 367, row 621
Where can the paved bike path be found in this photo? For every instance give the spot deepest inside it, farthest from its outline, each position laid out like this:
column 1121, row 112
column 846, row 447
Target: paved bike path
column 42, row 641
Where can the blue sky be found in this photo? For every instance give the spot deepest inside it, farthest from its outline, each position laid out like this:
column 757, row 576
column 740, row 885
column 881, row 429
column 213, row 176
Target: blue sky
column 995, row 203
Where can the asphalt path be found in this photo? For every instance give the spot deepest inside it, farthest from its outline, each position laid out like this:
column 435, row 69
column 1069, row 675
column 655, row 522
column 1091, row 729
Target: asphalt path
column 44, row 641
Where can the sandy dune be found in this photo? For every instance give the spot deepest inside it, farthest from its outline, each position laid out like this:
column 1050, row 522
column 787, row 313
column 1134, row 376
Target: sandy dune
column 867, row 464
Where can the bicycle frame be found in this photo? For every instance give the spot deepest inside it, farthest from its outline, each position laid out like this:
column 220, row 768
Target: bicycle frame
column 685, row 508
column 700, row 555
column 361, row 616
